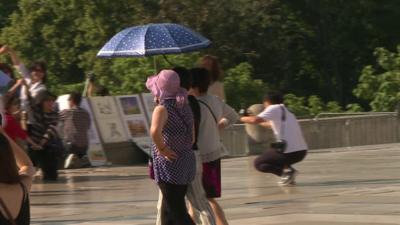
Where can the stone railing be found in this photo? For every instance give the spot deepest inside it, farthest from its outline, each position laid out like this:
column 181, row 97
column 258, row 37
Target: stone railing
column 342, row 131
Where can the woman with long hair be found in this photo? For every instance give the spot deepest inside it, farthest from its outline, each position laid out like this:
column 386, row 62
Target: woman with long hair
column 16, row 173
column 211, row 64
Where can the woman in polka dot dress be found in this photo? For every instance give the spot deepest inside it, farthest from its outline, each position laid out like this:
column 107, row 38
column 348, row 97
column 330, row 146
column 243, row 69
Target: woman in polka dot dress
column 172, row 133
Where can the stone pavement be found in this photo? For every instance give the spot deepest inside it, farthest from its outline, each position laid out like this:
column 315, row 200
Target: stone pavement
column 344, row 186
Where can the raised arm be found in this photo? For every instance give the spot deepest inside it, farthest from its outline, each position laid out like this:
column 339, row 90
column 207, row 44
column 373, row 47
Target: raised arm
column 16, row 60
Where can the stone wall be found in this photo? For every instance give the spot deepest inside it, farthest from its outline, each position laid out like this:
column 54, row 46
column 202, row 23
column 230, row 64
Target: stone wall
column 322, row 133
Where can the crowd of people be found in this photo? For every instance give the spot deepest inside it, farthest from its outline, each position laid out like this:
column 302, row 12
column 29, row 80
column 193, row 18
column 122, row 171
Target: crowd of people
column 32, row 116
column 190, row 112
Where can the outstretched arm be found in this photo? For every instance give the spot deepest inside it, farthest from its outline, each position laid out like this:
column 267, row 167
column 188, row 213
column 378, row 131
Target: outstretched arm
column 252, row 119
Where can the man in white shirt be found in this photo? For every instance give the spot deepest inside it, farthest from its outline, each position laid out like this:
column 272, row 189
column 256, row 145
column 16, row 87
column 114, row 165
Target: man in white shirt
column 290, row 146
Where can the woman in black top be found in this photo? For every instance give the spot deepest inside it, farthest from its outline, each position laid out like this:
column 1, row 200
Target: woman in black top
column 16, row 173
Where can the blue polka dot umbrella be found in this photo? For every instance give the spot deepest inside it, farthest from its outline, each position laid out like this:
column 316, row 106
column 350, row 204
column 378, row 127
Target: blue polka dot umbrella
column 153, row 39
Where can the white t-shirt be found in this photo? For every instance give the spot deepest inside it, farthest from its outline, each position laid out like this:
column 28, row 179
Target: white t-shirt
column 290, row 130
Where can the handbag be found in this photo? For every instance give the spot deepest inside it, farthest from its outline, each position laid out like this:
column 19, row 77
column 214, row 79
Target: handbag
column 280, row 144
column 8, row 213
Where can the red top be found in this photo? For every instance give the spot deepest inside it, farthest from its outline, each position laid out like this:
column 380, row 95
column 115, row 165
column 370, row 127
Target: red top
column 14, row 129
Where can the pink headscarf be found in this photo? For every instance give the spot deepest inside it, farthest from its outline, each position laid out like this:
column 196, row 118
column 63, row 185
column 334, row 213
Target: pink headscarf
column 167, row 85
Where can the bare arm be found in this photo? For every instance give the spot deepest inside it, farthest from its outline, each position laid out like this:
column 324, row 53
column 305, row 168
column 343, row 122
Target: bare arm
column 158, row 121
column 14, row 57
column 25, row 165
column 252, row 119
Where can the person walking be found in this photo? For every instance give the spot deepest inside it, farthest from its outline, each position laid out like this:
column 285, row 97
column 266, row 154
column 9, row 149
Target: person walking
column 215, row 116
column 16, row 174
column 172, row 134
column 199, row 207
column 76, row 125
column 290, row 146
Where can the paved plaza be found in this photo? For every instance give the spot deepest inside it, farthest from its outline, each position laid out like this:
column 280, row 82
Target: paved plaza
column 344, row 186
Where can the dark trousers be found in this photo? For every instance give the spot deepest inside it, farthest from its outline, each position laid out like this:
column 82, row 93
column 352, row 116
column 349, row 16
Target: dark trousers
column 274, row 162
column 173, row 208
column 47, row 160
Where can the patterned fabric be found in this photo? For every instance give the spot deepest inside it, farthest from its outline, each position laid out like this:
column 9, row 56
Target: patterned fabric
column 76, row 126
column 153, row 39
column 44, row 125
column 177, row 135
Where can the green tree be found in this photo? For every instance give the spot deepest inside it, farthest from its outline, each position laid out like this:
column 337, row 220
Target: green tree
column 380, row 85
column 241, row 89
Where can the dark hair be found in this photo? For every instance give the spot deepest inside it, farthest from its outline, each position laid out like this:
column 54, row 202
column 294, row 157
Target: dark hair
column 7, row 69
column 10, row 100
column 184, row 76
column 8, row 166
column 40, row 65
column 43, row 96
column 214, row 69
column 200, row 79
column 76, row 97
column 273, row 97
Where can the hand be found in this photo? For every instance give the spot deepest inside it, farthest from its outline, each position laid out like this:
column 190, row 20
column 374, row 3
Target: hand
column 222, row 123
column 36, row 147
column 168, row 153
column 43, row 142
column 21, row 82
column 4, row 49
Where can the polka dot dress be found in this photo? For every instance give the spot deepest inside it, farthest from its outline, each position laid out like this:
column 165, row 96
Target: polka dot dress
column 177, row 134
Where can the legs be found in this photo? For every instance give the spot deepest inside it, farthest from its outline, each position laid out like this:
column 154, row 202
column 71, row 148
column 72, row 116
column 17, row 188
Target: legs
column 212, row 187
column 274, row 162
column 218, row 212
column 199, row 207
column 173, row 207
column 270, row 161
column 47, row 160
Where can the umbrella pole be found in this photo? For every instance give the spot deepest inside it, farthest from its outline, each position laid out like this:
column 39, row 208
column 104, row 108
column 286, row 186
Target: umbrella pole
column 155, row 64
column 166, row 59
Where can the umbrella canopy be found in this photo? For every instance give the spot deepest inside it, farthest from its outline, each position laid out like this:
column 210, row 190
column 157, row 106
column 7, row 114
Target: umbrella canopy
column 153, row 39
column 4, row 81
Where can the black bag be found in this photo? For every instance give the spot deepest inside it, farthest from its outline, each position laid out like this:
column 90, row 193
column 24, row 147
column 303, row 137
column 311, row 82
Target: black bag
column 280, row 145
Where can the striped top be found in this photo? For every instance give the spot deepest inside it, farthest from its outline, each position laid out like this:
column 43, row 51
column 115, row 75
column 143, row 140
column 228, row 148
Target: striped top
column 44, row 125
column 76, row 126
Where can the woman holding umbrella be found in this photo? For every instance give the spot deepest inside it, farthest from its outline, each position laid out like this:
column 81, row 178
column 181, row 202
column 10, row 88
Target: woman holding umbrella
column 172, row 133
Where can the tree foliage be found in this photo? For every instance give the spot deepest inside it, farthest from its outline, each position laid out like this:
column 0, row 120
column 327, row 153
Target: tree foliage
column 304, row 47
column 380, row 85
